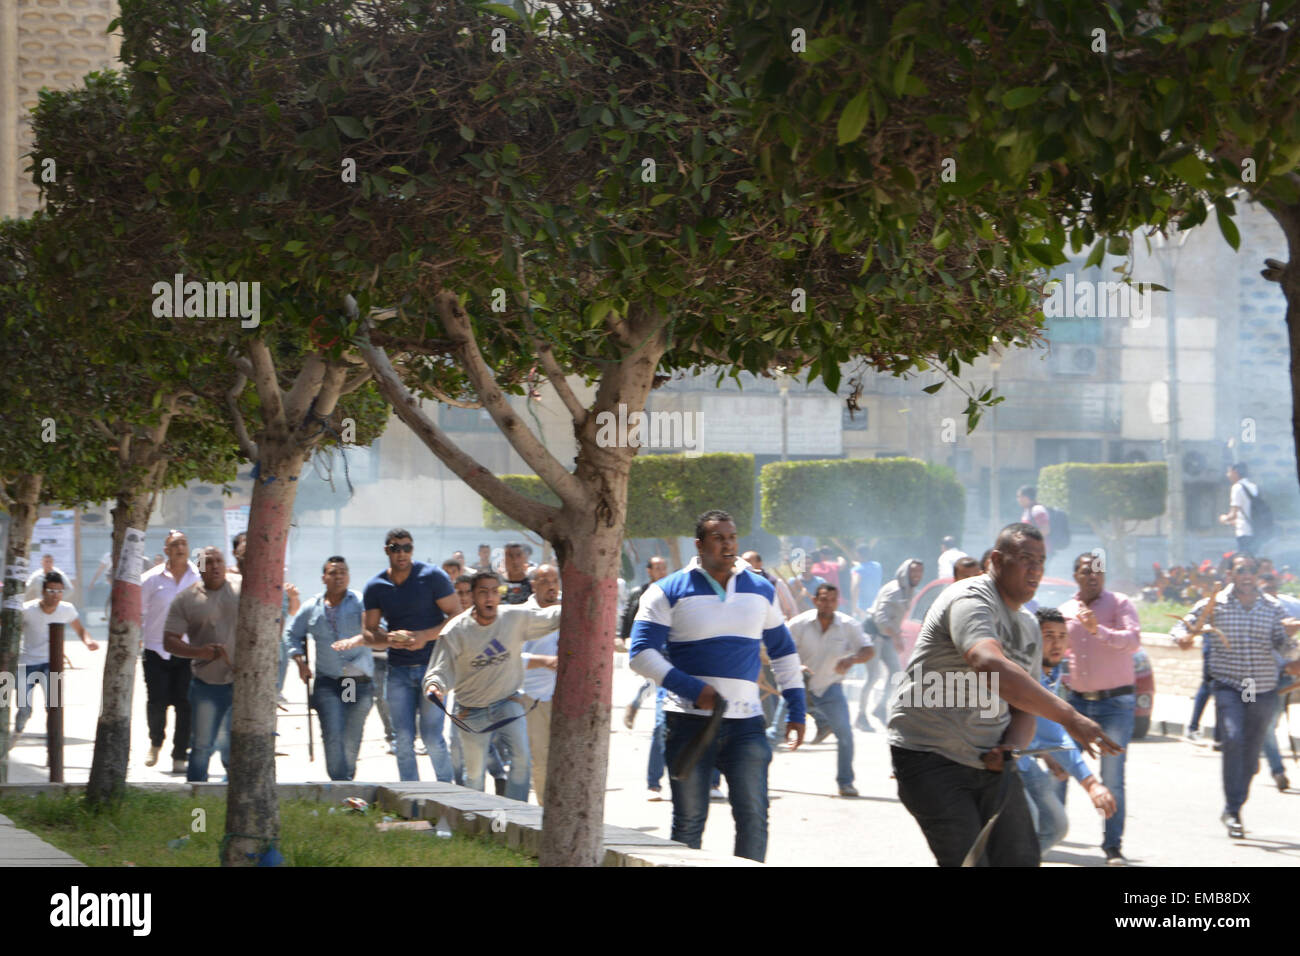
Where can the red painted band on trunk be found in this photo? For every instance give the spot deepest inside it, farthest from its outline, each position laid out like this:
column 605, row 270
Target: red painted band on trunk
column 126, row 603
column 586, row 651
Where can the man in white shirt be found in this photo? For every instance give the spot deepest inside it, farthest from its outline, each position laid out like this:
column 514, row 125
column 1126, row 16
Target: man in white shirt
column 949, row 556
column 829, row 642
column 36, row 580
column 541, row 657
column 479, row 654
column 1240, row 499
column 166, row 678
column 34, row 659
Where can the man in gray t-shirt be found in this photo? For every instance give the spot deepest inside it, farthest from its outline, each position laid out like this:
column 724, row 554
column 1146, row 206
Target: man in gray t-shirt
column 969, row 696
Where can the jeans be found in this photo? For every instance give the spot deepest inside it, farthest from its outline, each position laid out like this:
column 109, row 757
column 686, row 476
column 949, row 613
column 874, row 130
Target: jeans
column 342, row 721
column 832, row 709
column 495, row 768
column 539, row 745
column 1246, row 543
column 952, row 802
column 655, row 769
column 1202, row 692
column 167, row 684
column 284, row 667
column 1050, row 819
column 1271, row 751
column 210, row 723
column 1244, row 724
column 513, row 734
column 645, row 688
column 1115, row 714
column 741, row 751
column 381, row 686
column 885, row 661
column 31, row 675
column 406, row 699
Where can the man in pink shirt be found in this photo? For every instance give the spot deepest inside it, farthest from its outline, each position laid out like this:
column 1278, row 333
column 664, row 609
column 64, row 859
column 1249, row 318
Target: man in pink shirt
column 1104, row 634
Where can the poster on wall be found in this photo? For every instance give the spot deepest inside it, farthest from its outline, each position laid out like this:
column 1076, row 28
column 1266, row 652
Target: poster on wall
column 55, row 536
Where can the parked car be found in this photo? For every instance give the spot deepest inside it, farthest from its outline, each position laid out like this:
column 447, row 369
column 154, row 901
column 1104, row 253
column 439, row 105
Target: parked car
column 1052, row 592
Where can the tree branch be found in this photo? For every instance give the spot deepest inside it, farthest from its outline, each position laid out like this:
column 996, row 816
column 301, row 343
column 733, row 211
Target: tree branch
column 307, row 389
column 268, row 387
column 362, row 377
column 530, row 448
column 540, row 517
column 246, row 444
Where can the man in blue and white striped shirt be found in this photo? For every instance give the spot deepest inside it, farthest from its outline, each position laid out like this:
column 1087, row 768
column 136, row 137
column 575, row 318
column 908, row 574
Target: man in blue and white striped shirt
column 697, row 633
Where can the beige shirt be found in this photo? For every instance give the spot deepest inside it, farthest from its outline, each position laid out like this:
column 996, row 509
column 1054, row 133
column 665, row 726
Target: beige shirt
column 207, row 617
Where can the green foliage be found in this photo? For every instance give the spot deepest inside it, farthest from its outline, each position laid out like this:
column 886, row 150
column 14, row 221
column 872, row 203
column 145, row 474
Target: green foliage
column 1104, row 492
column 155, row 829
column 845, row 498
column 665, row 494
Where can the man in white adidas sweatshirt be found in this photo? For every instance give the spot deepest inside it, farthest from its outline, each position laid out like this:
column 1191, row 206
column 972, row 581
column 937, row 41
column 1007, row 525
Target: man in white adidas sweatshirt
column 479, row 654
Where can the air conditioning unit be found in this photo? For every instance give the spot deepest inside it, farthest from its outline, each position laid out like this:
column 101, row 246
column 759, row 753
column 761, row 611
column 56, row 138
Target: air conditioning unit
column 1074, row 360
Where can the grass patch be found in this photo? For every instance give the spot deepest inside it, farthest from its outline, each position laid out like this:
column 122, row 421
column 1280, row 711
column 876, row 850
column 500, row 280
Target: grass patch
column 156, row 829
column 1154, row 616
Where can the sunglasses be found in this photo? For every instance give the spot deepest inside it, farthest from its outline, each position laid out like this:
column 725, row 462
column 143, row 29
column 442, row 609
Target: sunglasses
column 400, row 548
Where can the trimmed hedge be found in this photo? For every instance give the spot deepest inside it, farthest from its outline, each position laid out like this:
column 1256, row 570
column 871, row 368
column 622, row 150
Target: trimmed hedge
column 1089, row 492
column 666, row 493
column 863, row 498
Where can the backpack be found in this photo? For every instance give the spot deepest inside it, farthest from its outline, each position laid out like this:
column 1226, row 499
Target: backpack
column 1261, row 516
column 1058, row 528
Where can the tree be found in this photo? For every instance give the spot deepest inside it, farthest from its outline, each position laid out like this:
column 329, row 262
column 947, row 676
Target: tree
column 665, row 495
column 1112, row 499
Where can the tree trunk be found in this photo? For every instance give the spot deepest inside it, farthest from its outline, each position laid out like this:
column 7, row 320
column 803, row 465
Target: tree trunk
column 22, row 518
column 573, row 819
column 674, row 553
column 108, row 768
column 252, row 805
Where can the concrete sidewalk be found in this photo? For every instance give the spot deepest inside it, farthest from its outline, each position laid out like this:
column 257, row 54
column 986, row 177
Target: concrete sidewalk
column 20, row 848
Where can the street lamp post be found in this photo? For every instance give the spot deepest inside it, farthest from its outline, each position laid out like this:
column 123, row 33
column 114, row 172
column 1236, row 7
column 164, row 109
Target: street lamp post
column 995, row 364
column 1176, row 507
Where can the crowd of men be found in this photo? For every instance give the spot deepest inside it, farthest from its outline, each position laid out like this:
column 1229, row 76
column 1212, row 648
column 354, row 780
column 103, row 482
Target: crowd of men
column 460, row 660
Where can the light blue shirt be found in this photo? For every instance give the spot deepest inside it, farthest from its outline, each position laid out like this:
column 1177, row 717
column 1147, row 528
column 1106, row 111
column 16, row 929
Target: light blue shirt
column 1048, row 733
column 539, row 682
column 326, row 625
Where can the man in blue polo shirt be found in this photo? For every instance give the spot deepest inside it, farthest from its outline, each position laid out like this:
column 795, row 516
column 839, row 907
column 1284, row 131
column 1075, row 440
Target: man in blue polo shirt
column 414, row 599
column 697, row 633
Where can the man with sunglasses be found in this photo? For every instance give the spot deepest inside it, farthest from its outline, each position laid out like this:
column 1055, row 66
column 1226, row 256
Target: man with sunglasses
column 34, row 658
column 414, row 599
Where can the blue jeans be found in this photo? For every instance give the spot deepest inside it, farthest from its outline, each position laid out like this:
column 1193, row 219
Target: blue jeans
column 1244, row 724
column 406, row 699
column 381, row 698
column 832, row 710
column 31, row 675
column 1115, row 714
column 1202, row 692
column 495, row 768
column 1271, row 751
column 342, row 721
column 209, row 725
column 884, row 662
column 1046, row 807
column 742, row 753
column 284, row 667
column 514, row 735
column 655, row 770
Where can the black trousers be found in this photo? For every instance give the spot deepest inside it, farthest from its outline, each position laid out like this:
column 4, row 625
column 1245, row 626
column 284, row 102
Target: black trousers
column 167, row 684
column 952, row 802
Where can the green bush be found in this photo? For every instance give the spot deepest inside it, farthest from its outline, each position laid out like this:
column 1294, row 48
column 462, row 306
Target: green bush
column 665, row 494
column 1100, row 493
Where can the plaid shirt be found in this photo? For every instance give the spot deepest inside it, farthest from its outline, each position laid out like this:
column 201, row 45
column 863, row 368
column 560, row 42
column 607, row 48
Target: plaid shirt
column 1254, row 635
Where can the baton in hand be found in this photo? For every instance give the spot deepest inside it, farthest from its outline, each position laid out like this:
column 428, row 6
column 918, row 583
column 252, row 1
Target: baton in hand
column 690, row 755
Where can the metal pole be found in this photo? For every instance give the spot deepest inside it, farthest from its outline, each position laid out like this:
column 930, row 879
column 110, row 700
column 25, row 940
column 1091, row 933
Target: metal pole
column 1177, row 519
column 993, row 464
column 54, row 704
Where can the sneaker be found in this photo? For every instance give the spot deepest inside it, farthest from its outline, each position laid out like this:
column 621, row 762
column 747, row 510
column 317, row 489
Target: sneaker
column 420, row 749
column 153, row 755
column 717, row 794
column 180, row 766
column 1282, row 782
column 1233, row 822
column 1193, row 736
column 848, row 791
column 822, row 734
column 863, row 724
column 499, row 783
column 1113, row 856
column 629, row 716
column 656, row 794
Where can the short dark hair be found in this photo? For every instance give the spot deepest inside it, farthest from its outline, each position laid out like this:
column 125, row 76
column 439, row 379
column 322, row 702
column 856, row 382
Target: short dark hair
column 948, row 542
column 966, row 562
column 485, row 545
column 465, row 579
column 1029, row 491
column 394, row 534
column 1240, row 468
column 654, row 558
column 863, row 552
column 333, row 559
column 1049, row 615
column 1009, row 537
column 234, row 542
column 984, row 558
column 1244, row 556
column 825, row 587
column 713, row 514
column 456, row 561
column 53, row 577
column 514, row 544
column 1087, row 555
column 480, row 576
